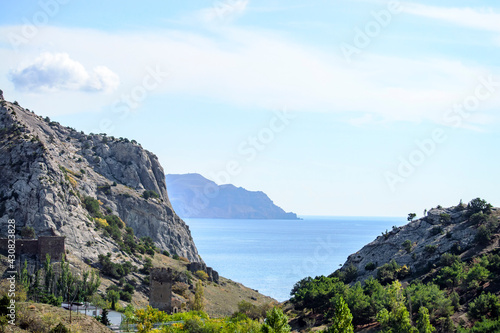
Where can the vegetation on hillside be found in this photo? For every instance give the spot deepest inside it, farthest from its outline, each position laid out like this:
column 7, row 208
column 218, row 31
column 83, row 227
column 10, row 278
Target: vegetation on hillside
column 452, row 296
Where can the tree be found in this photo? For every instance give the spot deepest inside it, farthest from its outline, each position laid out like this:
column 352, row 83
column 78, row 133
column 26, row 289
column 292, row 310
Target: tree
column 60, row 328
column 28, row 232
column 342, row 318
column 487, row 305
column 411, row 216
column 398, row 320
column 104, row 317
column 423, row 321
column 199, row 301
column 276, row 322
column 49, row 275
column 478, row 205
column 113, row 296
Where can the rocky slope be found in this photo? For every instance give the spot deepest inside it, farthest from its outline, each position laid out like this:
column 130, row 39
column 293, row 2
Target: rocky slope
column 47, row 170
column 192, row 195
column 420, row 243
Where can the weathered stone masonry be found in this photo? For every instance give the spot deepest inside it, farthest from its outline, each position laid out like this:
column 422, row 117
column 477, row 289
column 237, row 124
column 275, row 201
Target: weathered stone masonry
column 160, row 287
column 37, row 248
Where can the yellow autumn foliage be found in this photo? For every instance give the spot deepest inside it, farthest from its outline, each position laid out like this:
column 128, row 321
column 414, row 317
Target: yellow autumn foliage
column 101, row 222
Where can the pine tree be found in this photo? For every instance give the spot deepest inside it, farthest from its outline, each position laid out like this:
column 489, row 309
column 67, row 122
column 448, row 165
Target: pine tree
column 398, row 320
column 342, row 318
column 104, row 317
column 276, row 322
column 423, row 322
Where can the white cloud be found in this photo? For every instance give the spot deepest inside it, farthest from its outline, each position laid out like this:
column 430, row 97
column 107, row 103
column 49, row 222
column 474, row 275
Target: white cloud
column 58, row 72
column 261, row 69
column 483, row 19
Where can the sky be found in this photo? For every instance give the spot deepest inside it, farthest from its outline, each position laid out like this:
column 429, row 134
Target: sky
column 346, row 108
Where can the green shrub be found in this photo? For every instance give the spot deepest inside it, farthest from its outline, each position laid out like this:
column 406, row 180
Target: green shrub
column 106, row 189
column 436, row 230
column 456, row 248
column 202, row 275
column 447, row 259
column 478, row 218
column 407, row 245
column 114, row 220
column 112, row 269
column 451, row 276
column 430, row 248
column 483, row 326
column 146, row 267
column 392, row 271
column 92, row 206
column 445, row 218
column 125, row 296
column 149, row 194
column 476, row 275
column 485, row 305
column 60, row 328
column 478, row 206
column 276, row 322
column 483, row 235
column 350, row 274
column 430, row 296
column 370, row 266
column 28, row 232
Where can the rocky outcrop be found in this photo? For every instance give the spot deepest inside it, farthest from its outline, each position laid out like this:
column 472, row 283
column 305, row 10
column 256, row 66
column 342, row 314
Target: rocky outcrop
column 192, row 195
column 418, row 244
column 46, row 171
column 213, row 275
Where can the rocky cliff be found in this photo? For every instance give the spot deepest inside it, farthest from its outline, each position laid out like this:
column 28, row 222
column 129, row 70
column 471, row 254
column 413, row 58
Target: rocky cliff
column 420, row 244
column 192, row 195
column 47, row 171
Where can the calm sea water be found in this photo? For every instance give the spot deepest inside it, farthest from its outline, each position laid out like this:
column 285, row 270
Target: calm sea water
column 272, row 255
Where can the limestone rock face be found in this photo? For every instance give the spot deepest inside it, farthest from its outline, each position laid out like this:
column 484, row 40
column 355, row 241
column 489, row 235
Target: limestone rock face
column 213, row 275
column 46, row 171
column 442, row 230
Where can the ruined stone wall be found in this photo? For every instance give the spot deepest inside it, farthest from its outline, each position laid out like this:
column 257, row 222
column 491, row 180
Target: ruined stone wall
column 54, row 246
column 23, row 246
column 161, row 289
column 37, row 248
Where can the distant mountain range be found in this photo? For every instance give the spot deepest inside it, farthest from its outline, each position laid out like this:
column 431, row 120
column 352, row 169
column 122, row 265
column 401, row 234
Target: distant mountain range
column 192, row 195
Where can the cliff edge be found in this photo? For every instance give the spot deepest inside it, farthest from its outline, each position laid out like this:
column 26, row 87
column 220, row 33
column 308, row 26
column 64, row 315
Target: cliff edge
column 52, row 177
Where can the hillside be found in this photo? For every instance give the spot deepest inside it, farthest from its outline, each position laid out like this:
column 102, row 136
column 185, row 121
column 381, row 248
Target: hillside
column 192, row 195
column 51, row 176
column 108, row 198
column 445, row 264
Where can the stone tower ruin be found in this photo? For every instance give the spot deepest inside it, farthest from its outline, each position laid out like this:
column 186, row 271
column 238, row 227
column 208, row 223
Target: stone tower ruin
column 160, row 289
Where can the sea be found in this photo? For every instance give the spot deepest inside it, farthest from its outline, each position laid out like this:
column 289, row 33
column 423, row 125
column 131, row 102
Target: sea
column 272, row 255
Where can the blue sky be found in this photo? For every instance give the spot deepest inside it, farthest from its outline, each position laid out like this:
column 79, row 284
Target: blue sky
column 363, row 108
